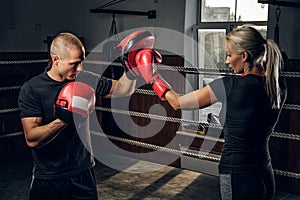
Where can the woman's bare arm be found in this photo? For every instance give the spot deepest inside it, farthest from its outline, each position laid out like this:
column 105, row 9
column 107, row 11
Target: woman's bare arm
column 200, row 98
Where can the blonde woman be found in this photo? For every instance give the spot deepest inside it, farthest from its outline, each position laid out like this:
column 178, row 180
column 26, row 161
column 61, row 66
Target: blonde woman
column 251, row 104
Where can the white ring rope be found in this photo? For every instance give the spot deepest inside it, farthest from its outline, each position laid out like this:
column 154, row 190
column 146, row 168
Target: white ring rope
column 170, row 119
column 199, row 155
column 185, row 69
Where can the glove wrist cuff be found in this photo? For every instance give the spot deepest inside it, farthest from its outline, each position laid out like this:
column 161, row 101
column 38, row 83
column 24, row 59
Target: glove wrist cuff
column 160, row 86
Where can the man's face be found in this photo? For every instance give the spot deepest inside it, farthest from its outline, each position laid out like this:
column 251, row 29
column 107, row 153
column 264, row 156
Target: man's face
column 71, row 65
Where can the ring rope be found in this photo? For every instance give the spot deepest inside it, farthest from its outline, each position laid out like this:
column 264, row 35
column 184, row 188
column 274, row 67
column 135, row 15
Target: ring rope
column 145, row 91
column 168, row 119
column 151, row 92
column 11, row 135
column 200, row 155
column 157, row 117
column 14, row 62
column 287, row 174
column 186, row 69
column 158, row 148
column 216, row 71
column 148, row 92
column 16, row 87
column 286, row 135
column 177, row 120
column 189, row 69
column 291, row 74
column 291, row 107
column 9, row 110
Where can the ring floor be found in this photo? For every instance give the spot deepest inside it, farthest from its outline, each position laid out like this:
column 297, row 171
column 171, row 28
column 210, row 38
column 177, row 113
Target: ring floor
column 125, row 179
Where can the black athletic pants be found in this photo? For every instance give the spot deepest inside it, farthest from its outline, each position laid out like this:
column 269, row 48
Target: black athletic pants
column 256, row 185
column 81, row 186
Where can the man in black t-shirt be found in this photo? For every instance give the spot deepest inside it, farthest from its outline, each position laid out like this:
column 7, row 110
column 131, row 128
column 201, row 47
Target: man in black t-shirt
column 63, row 162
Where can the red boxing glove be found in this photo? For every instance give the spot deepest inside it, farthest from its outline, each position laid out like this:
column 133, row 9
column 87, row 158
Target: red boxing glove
column 130, row 45
column 145, row 60
column 74, row 98
column 138, row 59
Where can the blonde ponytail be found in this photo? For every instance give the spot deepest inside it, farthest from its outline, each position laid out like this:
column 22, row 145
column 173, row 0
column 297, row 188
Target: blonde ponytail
column 272, row 72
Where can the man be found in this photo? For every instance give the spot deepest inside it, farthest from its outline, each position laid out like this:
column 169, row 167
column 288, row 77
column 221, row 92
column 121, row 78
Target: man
column 63, row 161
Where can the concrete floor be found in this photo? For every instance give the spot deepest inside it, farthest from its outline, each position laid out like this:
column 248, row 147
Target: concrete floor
column 153, row 182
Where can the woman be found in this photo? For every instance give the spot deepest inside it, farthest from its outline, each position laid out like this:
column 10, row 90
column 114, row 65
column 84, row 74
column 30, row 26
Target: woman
column 251, row 104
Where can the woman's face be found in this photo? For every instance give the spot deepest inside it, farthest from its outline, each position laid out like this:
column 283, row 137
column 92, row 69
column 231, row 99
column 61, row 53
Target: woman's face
column 236, row 61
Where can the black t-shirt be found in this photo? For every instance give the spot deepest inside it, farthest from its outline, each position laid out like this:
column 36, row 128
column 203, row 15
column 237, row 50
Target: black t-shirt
column 70, row 152
column 248, row 121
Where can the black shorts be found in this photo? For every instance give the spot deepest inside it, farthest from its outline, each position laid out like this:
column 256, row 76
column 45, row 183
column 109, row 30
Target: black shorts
column 81, row 186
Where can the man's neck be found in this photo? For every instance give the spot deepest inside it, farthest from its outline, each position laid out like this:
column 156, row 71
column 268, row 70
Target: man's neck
column 55, row 76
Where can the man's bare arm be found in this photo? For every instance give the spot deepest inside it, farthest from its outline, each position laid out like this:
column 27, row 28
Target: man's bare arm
column 37, row 134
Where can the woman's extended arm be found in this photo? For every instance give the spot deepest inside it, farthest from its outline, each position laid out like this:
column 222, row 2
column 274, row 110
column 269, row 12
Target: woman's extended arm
column 200, row 98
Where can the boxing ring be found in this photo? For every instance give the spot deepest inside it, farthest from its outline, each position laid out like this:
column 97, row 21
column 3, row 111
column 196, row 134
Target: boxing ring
column 11, row 127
